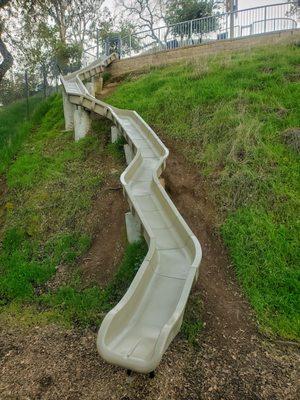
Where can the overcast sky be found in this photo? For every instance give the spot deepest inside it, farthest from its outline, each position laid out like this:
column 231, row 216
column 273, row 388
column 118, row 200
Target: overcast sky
column 242, row 3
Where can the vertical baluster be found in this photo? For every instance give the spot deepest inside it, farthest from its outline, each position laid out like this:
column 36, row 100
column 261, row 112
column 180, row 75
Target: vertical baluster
column 226, row 25
column 265, row 19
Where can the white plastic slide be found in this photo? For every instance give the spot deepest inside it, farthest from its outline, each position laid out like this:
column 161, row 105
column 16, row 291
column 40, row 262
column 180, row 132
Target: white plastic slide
column 138, row 330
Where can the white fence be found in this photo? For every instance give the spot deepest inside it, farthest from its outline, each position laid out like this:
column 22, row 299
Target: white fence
column 251, row 21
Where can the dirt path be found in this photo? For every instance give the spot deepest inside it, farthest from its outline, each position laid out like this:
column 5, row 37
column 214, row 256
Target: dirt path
column 231, row 361
column 106, row 252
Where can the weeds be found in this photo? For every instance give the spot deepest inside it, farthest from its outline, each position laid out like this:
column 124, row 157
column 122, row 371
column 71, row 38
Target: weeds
column 192, row 323
column 116, row 149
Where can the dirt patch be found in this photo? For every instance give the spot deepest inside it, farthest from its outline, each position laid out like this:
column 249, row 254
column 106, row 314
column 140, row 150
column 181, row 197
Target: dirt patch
column 51, row 363
column 291, row 137
column 293, row 76
column 3, row 186
column 106, row 252
column 108, row 89
column 106, row 223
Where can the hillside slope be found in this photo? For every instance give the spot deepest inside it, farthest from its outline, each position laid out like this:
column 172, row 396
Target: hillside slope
column 55, row 197
column 236, row 118
column 64, row 263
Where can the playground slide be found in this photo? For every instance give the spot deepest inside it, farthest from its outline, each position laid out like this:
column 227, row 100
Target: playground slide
column 138, row 330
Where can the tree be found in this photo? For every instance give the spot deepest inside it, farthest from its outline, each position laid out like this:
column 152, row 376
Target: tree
column 186, row 10
column 149, row 15
column 112, row 33
column 7, row 58
column 145, row 15
column 13, row 86
column 194, row 11
column 75, row 20
column 52, row 34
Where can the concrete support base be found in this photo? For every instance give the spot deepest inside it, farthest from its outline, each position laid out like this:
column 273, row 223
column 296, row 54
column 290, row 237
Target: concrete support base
column 68, row 112
column 98, row 85
column 115, row 134
column 133, row 228
column 82, row 123
column 91, row 88
column 128, row 153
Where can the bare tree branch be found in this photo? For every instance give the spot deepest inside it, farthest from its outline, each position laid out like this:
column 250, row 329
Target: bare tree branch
column 148, row 13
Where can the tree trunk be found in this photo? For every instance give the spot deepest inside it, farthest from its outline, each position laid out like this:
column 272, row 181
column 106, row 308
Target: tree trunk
column 7, row 59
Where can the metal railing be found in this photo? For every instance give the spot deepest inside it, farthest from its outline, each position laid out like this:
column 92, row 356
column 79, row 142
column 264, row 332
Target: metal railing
column 251, row 21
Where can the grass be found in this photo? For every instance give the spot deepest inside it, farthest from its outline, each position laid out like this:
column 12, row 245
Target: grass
column 53, row 179
column 230, row 115
column 51, row 183
column 116, row 149
column 15, row 127
column 71, row 305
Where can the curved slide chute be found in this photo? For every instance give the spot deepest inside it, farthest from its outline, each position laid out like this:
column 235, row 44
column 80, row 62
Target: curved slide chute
column 138, row 330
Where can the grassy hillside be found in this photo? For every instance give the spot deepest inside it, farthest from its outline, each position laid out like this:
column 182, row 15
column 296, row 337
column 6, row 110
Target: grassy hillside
column 49, row 184
column 49, row 189
column 236, row 117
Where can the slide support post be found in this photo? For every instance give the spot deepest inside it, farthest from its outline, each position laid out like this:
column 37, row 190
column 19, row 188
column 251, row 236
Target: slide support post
column 82, row 123
column 133, row 227
column 115, row 134
column 68, row 112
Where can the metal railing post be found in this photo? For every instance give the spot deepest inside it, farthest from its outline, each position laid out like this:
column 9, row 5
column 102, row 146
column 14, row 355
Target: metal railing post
column 97, row 40
column 120, row 47
column 231, row 19
column 265, row 19
column 226, row 26
column 231, row 25
column 27, row 94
